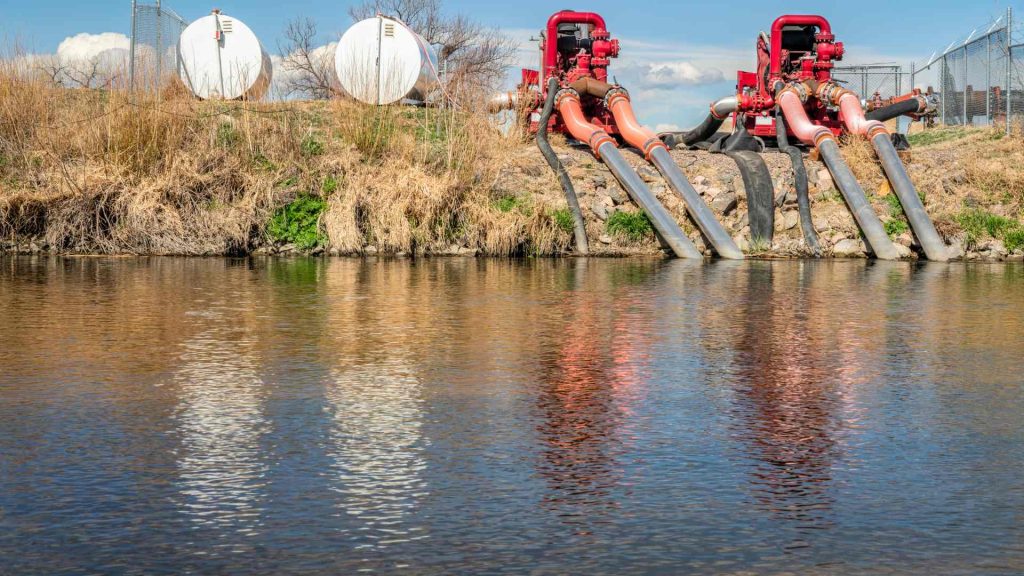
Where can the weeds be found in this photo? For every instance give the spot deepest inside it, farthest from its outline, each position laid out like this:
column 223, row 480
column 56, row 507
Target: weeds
column 634, row 226
column 937, row 136
column 563, row 220
column 978, row 224
column 299, row 223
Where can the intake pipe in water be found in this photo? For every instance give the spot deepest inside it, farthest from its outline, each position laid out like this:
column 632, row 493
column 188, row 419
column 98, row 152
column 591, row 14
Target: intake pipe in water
column 791, row 101
column 856, row 122
column 568, row 103
column 617, row 100
column 579, row 226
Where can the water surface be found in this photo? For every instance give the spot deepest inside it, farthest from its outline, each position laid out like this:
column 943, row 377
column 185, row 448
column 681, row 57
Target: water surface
column 448, row 416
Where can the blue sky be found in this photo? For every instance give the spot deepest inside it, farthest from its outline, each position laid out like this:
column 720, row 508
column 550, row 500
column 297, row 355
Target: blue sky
column 712, row 36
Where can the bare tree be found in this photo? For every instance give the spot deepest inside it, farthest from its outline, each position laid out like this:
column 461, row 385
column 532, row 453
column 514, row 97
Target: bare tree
column 307, row 67
column 475, row 54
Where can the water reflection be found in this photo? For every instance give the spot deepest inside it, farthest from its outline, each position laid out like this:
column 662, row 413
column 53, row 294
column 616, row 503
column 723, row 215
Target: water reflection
column 220, row 422
column 785, row 402
column 590, row 380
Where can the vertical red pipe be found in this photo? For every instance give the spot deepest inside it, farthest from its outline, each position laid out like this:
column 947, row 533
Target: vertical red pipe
column 791, row 20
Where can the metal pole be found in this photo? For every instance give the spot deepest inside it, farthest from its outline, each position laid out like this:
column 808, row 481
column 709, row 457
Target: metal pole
column 1009, row 68
column 988, row 82
column 131, row 54
column 159, row 46
column 942, row 82
column 966, row 121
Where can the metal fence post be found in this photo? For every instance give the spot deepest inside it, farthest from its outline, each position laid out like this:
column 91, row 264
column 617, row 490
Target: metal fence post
column 159, row 45
column 965, row 123
column 1009, row 68
column 988, row 82
column 942, row 88
column 131, row 52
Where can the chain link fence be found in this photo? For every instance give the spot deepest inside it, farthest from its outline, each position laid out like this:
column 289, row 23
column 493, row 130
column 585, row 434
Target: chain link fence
column 154, row 45
column 975, row 80
column 883, row 81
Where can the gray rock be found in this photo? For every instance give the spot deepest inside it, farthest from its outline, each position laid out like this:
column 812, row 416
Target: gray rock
column 905, row 239
column 701, row 181
column 838, row 237
column 612, row 210
column 712, row 192
column 370, row 250
column 790, row 220
column 741, row 242
column 824, row 180
column 600, row 209
column 741, row 222
column 599, row 181
column 780, row 197
column 903, row 251
column 648, row 174
column 604, row 239
column 286, row 249
column 849, row 248
column 820, row 224
column 659, row 190
column 567, row 159
column 956, row 249
column 724, row 204
column 995, row 248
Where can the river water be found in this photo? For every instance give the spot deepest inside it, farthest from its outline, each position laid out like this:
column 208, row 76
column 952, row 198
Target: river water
column 223, row 416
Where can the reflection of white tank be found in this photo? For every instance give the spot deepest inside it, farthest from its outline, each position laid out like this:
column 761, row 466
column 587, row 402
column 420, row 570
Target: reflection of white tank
column 221, row 58
column 381, row 61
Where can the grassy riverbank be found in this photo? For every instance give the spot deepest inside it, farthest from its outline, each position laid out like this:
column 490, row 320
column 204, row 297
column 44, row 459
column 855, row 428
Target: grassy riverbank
column 99, row 172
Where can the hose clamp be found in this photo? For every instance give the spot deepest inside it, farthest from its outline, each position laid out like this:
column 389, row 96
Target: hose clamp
column 797, row 88
column 565, row 93
column 831, row 93
column 616, row 92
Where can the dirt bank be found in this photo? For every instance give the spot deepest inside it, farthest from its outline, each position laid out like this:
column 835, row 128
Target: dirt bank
column 98, row 172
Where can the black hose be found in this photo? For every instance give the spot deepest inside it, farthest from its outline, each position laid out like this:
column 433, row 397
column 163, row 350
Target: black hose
column 886, row 113
column 579, row 224
column 803, row 197
column 701, row 133
column 757, row 181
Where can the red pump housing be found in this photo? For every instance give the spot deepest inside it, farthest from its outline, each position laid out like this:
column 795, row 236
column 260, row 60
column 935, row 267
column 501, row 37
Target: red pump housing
column 800, row 48
column 573, row 46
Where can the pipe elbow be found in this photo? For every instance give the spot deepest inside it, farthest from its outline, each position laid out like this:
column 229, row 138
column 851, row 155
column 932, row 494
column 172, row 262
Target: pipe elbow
column 721, row 109
column 568, row 104
column 791, row 101
column 617, row 100
column 854, row 117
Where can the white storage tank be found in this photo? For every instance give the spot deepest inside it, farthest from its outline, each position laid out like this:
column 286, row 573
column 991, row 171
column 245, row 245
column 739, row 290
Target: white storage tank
column 221, row 59
column 381, row 61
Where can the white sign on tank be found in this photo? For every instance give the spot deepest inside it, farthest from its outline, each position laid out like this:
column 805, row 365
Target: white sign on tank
column 380, row 60
column 221, row 59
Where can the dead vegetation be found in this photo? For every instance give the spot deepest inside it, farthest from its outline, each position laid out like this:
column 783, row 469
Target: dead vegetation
column 111, row 172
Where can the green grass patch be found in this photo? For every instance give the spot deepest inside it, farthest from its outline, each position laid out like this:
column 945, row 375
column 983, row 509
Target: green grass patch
column 895, row 227
column 633, row 225
column 936, row 136
column 509, row 204
column 978, row 224
column 227, row 135
column 311, row 146
column 898, row 224
column 299, row 223
column 330, row 185
column 563, row 220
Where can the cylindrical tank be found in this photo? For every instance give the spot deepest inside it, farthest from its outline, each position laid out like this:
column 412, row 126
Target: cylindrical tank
column 221, row 58
column 381, row 61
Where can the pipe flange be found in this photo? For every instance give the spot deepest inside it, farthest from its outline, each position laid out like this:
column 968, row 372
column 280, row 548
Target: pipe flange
column 797, row 88
column 565, row 93
column 616, row 92
column 832, row 93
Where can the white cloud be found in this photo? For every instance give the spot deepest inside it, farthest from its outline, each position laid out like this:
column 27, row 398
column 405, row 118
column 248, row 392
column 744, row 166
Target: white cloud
column 285, row 75
column 85, row 46
column 667, row 128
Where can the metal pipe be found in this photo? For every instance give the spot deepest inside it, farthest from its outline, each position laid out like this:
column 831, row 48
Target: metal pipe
column 851, row 190
column 720, row 240
column 617, row 100
column 720, row 110
column 791, row 101
column 1009, row 68
column 667, row 228
column 131, row 49
column 579, row 226
column 922, row 225
column 568, row 103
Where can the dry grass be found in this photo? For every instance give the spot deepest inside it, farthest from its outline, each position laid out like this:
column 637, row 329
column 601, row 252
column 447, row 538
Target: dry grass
column 112, row 172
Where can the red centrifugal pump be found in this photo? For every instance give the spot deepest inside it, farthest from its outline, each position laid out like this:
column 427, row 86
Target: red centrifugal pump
column 570, row 93
column 792, row 95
